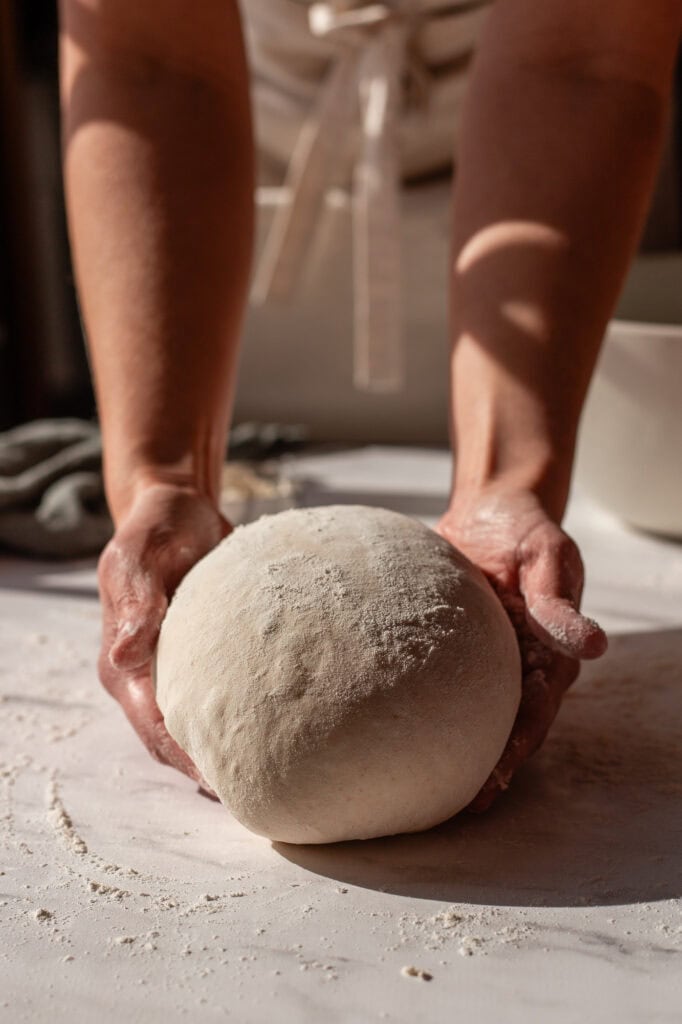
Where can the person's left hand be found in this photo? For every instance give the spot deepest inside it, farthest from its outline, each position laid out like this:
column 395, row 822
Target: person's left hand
column 166, row 531
column 537, row 572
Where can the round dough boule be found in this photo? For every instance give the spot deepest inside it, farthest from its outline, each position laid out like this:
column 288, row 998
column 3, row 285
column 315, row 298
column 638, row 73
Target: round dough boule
column 338, row 673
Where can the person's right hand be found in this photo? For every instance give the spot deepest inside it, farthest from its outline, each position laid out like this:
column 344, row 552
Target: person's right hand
column 167, row 530
column 537, row 573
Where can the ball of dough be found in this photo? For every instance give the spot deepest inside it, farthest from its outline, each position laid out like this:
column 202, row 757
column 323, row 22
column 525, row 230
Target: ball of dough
column 338, row 673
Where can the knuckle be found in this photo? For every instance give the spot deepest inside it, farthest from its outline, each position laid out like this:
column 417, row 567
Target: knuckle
column 549, row 539
column 108, row 676
column 109, row 562
column 562, row 547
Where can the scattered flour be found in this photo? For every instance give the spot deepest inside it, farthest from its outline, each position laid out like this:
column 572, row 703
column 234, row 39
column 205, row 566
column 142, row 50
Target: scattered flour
column 416, row 972
column 468, row 931
column 111, row 891
column 60, row 820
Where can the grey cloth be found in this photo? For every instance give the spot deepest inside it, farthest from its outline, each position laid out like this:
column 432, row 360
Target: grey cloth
column 52, row 502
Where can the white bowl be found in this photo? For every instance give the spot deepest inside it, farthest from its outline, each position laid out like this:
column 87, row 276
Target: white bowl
column 630, row 444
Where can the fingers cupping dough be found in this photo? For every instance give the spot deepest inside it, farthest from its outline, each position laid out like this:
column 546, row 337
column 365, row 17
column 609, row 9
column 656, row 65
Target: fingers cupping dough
column 551, row 579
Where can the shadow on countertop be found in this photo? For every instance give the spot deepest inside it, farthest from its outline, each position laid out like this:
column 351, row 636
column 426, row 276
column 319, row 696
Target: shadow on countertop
column 595, row 819
column 74, row 579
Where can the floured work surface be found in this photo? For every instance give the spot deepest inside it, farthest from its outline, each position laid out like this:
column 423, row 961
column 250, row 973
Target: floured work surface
column 125, row 895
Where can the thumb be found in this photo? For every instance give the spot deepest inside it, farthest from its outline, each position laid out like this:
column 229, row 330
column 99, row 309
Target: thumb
column 551, row 581
column 558, row 623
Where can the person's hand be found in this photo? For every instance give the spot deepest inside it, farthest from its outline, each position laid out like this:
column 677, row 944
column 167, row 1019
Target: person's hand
column 537, row 572
column 167, row 530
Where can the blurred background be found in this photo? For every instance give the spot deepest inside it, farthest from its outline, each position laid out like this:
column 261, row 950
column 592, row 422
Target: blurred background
column 297, row 358
column 43, row 368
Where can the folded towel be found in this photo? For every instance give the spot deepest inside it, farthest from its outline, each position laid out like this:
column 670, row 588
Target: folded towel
column 52, row 502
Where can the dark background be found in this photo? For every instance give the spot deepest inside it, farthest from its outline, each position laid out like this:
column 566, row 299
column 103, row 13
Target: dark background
column 43, row 366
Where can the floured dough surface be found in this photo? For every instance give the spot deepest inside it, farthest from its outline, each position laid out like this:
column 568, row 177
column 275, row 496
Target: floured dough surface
column 338, row 673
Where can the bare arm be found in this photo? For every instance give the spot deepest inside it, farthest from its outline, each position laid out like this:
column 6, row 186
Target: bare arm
column 565, row 121
column 158, row 163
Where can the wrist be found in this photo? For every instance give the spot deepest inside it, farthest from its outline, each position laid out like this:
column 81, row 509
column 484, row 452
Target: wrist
column 507, row 447
column 189, row 459
column 510, row 438
column 126, row 484
column 538, row 470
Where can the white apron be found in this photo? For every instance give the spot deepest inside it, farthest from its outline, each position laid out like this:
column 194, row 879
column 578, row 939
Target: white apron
column 350, row 92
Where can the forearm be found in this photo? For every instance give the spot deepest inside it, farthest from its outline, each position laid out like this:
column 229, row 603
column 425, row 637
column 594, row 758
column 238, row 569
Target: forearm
column 159, row 184
column 556, row 163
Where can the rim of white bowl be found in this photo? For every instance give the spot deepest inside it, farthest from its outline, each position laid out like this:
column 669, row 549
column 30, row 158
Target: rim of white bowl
column 669, row 330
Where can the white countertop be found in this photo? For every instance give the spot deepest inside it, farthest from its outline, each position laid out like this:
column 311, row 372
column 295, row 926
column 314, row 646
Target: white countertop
column 126, row 896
